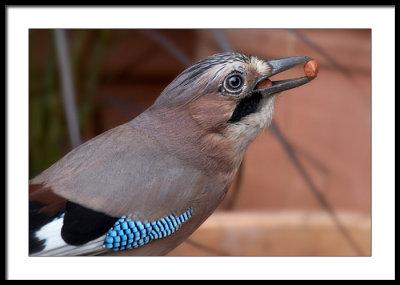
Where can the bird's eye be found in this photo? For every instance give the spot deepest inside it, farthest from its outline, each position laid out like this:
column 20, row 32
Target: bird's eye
column 233, row 82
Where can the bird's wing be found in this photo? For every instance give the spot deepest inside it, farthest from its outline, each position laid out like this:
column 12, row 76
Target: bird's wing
column 58, row 226
column 123, row 172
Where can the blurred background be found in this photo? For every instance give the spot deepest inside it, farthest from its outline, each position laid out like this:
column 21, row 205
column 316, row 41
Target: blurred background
column 304, row 188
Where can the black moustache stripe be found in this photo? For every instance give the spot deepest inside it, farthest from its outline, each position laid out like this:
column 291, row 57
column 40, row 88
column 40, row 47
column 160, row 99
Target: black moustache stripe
column 245, row 107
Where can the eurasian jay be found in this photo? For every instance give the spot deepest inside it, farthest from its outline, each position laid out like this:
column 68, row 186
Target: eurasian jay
column 148, row 184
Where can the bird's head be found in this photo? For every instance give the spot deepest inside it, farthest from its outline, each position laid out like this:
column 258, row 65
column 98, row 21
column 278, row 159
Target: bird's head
column 229, row 97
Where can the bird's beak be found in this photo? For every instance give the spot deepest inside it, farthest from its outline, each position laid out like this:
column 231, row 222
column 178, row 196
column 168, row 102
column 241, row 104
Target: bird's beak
column 277, row 66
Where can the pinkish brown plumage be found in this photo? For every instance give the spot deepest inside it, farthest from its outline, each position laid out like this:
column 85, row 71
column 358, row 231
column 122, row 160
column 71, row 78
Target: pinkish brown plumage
column 181, row 153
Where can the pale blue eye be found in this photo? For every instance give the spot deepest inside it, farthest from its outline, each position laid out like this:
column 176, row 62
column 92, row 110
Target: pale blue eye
column 234, row 82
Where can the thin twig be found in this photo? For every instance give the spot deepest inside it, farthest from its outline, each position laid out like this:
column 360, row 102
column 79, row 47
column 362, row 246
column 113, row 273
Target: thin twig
column 314, row 189
column 321, row 51
column 168, row 45
column 68, row 93
column 222, row 40
column 344, row 71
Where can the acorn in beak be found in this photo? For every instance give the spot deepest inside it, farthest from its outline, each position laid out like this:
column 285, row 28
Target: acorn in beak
column 266, row 87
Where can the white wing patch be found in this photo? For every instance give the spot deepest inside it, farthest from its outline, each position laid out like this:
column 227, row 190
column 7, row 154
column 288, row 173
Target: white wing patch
column 54, row 245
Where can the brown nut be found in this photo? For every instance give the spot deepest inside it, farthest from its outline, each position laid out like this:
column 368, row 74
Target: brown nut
column 311, row 68
column 264, row 84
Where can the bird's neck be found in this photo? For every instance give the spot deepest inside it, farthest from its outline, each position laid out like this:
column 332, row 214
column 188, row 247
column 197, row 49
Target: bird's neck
column 183, row 137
